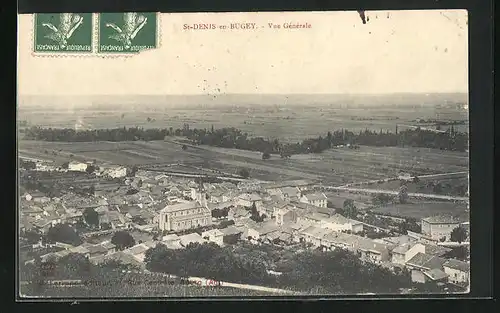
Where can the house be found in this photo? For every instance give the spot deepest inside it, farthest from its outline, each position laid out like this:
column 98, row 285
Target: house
column 267, row 230
column 301, row 185
column 404, row 252
column 436, row 250
column 373, row 251
column 110, row 247
column 421, row 263
column 184, row 216
column 314, row 235
column 247, row 200
column 436, row 275
column 185, row 240
column 81, row 249
column 147, row 216
column 120, row 256
column 285, row 216
column 399, row 240
column 367, row 249
column 316, row 199
column 138, row 251
column 97, row 250
column 289, row 193
column 231, row 234
column 172, row 241
column 338, row 222
column 275, row 206
column 77, row 166
column 251, row 233
column 238, row 213
column 458, row 271
column 115, row 220
column 214, row 235
column 439, row 227
column 425, row 239
column 405, row 176
column 117, row 172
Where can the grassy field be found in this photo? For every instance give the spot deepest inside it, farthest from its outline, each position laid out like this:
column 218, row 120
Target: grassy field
column 335, row 166
column 425, row 209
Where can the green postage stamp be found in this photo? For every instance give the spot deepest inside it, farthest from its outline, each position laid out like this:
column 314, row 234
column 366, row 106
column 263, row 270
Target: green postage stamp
column 63, row 32
column 127, row 32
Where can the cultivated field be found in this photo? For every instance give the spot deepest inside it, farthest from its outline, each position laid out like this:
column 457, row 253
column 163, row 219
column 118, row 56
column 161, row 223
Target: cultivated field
column 425, row 209
column 335, row 166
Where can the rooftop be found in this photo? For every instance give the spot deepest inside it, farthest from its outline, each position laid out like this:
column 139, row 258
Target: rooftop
column 436, row 250
column 170, row 237
column 108, row 245
column 441, row 219
column 436, row 274
column 426, row 261
column 403, row 248
column 182, row 206
column 457, row 265
column 315, row 196
column 231, row 230
column 191, row 238
column 212, row 232
column 137, row 249
column 97, row 249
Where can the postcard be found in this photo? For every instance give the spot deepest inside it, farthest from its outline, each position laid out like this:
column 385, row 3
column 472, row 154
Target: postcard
column 270, row 154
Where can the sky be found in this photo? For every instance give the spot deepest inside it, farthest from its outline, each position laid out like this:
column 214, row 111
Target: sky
column 395, row 51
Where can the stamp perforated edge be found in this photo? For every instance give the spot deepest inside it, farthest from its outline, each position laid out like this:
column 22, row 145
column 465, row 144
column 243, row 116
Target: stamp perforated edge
column 95, row 41
column 50, row 54
column 127, row 55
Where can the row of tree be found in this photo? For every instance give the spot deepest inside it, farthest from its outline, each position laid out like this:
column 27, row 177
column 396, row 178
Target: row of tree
column 336, row 271
column 235, row 138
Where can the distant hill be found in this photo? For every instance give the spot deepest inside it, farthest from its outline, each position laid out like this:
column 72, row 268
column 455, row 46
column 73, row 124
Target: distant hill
column 344, row 100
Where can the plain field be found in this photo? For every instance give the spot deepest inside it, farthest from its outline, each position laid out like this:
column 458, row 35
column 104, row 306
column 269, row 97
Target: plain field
column 335, row 166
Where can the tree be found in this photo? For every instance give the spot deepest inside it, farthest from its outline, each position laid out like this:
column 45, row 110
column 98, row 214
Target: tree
column 184, row 147
column 64, row 233
column 438, row 188
column 65, row 165
column 73, row 265
column 408, row 225
column 416, row 179
column 349, row 209
column 460, row 253
column 244, row 173
column 31, row 236
column 266, row 155
column 91, row 217
column 458, row 234
column 403, row 194
column 122, row 240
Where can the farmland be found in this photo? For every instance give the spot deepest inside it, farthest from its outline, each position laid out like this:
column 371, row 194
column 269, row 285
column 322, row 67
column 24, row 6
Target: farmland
column 334, row 166
column 424, row 209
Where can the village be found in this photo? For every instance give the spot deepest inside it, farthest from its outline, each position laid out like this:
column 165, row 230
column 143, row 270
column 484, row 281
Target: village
column 101, row 201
